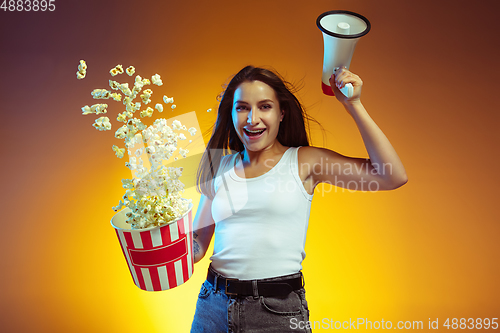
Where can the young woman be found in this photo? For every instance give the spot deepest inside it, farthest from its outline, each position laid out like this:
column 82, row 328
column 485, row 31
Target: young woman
column 257, row 179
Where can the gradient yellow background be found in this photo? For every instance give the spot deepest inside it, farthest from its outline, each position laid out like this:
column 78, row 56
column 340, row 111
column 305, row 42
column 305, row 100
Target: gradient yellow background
column 430, row 70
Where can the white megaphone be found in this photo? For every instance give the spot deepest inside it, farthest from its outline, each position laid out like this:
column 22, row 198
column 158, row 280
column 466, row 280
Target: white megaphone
column 341, row 31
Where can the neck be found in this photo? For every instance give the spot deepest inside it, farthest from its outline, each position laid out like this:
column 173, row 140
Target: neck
column 258, row 157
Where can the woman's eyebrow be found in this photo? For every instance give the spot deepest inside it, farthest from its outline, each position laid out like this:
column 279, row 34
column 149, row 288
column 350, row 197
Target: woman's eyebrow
column 263, row 101
column 240, row 102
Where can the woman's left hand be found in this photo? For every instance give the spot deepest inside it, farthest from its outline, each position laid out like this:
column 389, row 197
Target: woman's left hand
column 339, row 79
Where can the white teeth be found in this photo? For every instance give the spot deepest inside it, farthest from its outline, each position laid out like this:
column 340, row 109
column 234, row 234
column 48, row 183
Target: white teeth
column 256, row 131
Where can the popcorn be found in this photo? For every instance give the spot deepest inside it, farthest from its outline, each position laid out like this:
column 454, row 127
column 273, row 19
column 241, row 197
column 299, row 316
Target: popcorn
column 96, row 108
column 168, row 100
column 183, row 152
column 156, row 80
column 176, row 125
column 146, row 96
column 209, row 110
column 192, row 131
column 147, row 113
column 154, row 196
column 122, row 117
column 114, row 85
column 138, row 152
column 137, row 88
column 101, row 94
column 82, row 70
column 119, row 151
column 122, row 132
column 116, row 96
column 117, row 70
column 130, row 70
column 102, row 124
column 86, row 110
column 99, row 108
column 83, row 66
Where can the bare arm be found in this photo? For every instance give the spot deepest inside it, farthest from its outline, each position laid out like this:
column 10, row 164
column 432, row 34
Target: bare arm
column 203, row 228
column 383, row 169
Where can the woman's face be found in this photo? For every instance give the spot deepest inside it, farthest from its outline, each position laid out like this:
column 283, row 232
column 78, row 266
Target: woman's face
column 256, row 115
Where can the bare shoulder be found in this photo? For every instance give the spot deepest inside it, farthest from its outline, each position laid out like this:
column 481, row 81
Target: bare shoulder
column 311, row 155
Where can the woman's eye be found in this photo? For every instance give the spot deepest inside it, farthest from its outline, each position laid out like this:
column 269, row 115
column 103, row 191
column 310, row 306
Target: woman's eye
column 240, row 108
column 266, row 106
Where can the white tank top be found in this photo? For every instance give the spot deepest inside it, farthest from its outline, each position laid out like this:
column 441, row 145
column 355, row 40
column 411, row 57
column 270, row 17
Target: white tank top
column 261, row 222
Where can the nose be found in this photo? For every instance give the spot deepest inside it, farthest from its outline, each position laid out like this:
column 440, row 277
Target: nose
column 252, row 117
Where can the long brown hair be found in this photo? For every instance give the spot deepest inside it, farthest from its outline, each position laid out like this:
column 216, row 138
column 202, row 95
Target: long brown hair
column 224, row 140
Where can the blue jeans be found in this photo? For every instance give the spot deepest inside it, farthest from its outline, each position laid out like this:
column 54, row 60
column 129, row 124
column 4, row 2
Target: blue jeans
column 217, row 312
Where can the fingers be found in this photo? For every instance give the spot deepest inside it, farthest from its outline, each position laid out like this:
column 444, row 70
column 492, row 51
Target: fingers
column 341, row 76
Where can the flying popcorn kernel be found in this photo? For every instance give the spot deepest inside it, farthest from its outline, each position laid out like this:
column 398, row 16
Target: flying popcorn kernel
column 183, row 152
column 173, row 106
column 168, row 100
column 176, row 125
column 83, row 66
column 114, row 85
column 130, row 70
column 119, row 68
column 182, row 136
column 101, row 94
column 102, row 124
column 116, row 96
column 122, row 132
column 99, row 108
column 82, row 70
column 119, row 151
column 130, row 107
column 209, row 110
column 156, row 79
column 146, row 96
column 86, row 110
column 159, row 107
column 147, row 113
column 122, row 117
column 192, row 131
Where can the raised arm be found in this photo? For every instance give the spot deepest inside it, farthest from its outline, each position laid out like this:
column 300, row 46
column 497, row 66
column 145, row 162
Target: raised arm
column 383, row 170
column 203, row 228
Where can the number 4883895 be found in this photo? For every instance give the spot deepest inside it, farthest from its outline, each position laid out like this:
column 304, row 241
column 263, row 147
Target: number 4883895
column 28, row 5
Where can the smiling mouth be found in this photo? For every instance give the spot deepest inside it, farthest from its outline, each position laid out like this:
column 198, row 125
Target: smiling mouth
column 254, row 132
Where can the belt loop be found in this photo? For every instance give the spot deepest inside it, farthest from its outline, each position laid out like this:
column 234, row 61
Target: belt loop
column 255, row 289
column 215, row 282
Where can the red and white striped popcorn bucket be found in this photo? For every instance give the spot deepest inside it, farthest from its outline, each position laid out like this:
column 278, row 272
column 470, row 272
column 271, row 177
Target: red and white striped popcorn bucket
column 159, row 258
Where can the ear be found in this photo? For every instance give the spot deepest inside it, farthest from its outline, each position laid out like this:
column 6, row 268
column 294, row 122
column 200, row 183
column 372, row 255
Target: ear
column 282, row 115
